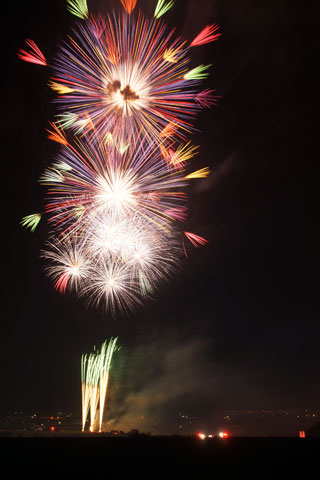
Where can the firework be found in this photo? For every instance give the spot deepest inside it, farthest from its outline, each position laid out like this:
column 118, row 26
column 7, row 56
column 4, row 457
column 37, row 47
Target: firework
column 95, row 369
column 34, row 55
column 134, row 77
column 31, row 221
column 162, row 7
column 206, row 35
column 129, row 5
column 119, row 183
column 196, row 240
column 133, row 260
column 69, row 266
column 114, row 212
column 116, row 190
column 78, row 8
column 202, row 173
column 206, row 98
column 118, row 266
column 197, row 73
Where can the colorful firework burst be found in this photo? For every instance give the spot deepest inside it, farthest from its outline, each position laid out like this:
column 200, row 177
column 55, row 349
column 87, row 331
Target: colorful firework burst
column 122, row 74
column 98, row 179
column 115, row 193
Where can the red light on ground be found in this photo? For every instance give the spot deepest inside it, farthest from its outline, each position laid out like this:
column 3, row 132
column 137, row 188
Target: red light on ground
column 223, row 434
column 302, row 434
column 52, row 429
column 202, row 436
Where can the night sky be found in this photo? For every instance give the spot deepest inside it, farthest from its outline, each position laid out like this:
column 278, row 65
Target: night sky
column 238, row 326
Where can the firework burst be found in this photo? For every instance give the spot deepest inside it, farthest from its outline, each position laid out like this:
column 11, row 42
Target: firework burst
column 118, row 264
column 133, row 77
column 98, row 179
column 69, row 264
column 116, row 191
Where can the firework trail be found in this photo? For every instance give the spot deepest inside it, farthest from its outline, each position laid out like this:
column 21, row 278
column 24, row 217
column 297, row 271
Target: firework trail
column 95, row 369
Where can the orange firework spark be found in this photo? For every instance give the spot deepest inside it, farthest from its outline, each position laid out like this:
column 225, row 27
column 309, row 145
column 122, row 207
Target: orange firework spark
column 129, row 5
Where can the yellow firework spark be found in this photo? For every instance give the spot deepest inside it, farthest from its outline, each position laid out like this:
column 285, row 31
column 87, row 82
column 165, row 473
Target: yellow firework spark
column 202, row 173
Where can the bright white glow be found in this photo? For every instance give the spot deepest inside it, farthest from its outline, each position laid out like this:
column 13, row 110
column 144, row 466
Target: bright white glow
column 70, row 265
column 74, row 270
column 127, row 88
column 116, row 192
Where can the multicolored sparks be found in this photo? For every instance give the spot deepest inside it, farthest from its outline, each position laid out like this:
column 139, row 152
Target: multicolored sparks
column 131, row 79
column 127, row 102
column 114, row 217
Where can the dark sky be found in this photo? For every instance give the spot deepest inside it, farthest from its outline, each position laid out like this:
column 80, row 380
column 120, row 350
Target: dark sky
column 238, row 327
